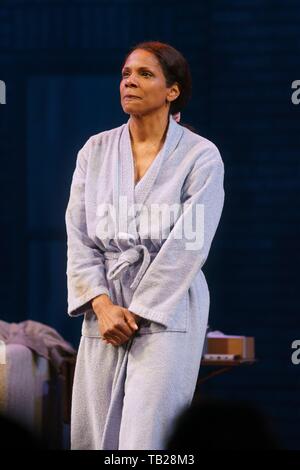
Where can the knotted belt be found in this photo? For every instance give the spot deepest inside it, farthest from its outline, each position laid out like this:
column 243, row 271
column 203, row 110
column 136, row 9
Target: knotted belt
column 127, row 258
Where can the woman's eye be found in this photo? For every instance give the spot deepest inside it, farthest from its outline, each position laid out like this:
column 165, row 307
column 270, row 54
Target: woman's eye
column 143, row 73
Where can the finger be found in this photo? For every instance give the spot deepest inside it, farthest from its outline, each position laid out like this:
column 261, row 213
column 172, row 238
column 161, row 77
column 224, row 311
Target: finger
column 124, row 330
column 110, row 336
column 121, row 337
column 113, row 338
column 105, row 340
column 131, row 321
column 111, row 341
column 112, row 333
column 117, row 341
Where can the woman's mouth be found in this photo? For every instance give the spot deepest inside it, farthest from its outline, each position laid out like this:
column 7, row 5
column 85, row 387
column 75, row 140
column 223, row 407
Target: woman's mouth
column 132, row 98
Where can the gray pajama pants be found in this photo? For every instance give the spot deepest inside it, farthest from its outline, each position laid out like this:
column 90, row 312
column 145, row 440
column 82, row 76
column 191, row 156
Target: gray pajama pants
column 128, row 397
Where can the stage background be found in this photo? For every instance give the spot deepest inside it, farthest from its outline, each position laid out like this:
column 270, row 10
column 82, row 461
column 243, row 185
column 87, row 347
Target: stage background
column 61, row 63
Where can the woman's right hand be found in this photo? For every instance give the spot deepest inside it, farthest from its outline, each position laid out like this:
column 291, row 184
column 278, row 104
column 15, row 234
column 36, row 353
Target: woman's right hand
column 116, row 324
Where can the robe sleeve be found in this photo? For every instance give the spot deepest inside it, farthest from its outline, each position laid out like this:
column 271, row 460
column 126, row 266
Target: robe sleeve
column 180, row 258
column 86, row 276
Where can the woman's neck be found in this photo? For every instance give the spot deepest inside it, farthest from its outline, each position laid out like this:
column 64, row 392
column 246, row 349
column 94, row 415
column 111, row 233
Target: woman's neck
column 149, row 129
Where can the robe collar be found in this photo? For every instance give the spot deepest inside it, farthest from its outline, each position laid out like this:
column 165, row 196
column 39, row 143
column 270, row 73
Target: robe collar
column 142, row 188
column 125, row 188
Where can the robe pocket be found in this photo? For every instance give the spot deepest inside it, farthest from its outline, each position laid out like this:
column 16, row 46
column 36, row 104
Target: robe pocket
column 178, row 320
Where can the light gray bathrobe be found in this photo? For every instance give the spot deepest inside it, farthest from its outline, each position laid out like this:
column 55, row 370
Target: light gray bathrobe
column 128, row 397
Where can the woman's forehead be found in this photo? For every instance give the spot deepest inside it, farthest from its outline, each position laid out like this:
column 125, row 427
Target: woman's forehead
column 141, row 58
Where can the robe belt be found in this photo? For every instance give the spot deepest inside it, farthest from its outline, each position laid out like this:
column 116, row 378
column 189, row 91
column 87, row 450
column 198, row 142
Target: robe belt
column 127, row 258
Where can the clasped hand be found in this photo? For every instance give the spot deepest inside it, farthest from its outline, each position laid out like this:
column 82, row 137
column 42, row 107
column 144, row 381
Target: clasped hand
column 116, row 324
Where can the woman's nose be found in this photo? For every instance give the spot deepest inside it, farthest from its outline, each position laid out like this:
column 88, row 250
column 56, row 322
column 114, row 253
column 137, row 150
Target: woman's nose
column 130, row 80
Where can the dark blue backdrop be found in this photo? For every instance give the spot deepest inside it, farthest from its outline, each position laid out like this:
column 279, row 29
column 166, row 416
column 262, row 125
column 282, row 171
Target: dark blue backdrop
column 61, row 64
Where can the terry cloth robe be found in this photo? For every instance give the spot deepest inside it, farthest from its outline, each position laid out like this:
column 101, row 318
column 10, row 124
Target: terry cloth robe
column 127, row 397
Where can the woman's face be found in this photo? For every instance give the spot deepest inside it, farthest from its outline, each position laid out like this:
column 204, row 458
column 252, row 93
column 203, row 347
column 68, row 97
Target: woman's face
column 142, row 76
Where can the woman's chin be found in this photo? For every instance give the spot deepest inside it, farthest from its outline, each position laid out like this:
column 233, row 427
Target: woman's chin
column 133, row 110
column 131, row 107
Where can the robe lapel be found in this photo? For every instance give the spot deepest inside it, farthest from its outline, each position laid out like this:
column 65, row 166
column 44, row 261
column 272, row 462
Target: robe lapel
column 125, row 191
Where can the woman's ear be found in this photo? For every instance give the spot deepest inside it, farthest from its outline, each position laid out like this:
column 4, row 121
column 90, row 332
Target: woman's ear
column 174, row 92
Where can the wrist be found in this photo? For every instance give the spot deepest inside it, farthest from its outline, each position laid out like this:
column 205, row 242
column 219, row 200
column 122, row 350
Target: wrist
column 102, row 300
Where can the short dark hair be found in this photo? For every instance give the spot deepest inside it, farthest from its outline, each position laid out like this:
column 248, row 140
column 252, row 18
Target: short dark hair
column 175, row 69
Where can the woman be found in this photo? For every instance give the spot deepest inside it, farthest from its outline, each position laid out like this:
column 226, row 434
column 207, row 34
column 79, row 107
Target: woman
column 145, row 202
